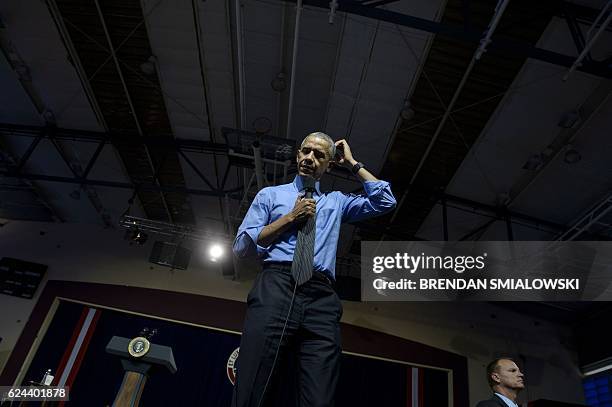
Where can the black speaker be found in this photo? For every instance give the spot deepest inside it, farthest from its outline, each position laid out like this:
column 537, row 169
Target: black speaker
column 20, row 278
column 170, row 255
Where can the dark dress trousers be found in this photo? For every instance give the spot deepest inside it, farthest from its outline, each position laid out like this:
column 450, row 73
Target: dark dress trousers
column 312, row 336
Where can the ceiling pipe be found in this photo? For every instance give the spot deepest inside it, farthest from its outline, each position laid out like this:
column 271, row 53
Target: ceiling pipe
column 296, row 35
column 76, row 62
column 590, row 43
column 129, row 100
column 499, row 10
column 280, row 90
column 599, row 16
column 239, row 57
column 207, row 96
column 259, row 171
column 362, row 79
column 332, row 85
column 333, row 6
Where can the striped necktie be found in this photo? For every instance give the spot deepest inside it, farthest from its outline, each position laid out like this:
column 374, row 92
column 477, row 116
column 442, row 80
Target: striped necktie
column 303, row 257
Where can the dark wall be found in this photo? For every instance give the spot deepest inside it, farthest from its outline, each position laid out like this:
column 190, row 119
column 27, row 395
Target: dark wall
column 189, row 340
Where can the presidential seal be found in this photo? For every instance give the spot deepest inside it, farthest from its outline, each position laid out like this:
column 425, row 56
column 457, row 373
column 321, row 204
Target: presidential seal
column 231, row 366
column 139, row 346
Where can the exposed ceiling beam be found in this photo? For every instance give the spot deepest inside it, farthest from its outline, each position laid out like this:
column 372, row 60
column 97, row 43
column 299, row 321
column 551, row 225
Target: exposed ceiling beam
column 470, row 36
column 113, row 184
column 486, row 40
column 111, row 137
column 296, row 41
column 207, row 103
column 241, row 121
column 111, row 49
column 74, row 58
column 198, row 146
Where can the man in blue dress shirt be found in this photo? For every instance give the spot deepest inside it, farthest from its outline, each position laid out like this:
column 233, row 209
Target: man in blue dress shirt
column 306, row 317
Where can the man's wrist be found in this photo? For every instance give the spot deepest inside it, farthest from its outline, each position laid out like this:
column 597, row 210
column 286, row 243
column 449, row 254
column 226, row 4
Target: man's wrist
column 290, row 217
column 350, row 163
column 356, row 168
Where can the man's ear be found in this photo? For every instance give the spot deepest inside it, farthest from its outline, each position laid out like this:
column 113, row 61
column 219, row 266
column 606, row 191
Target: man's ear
column 495, row 377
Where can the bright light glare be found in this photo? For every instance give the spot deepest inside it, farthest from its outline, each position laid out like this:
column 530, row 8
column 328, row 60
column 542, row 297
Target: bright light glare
column 215, row 251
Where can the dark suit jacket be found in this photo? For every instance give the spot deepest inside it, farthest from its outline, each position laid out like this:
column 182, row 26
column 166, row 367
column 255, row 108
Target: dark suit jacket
column 492, row 402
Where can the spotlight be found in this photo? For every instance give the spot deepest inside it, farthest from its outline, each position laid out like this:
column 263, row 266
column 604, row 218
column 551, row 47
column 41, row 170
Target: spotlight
column 279, row 83
column 148, row 67
column 138, row 237
column 215, row 252
column 262, row 125
column 569, row 119
column 407, row 112
column 572, row 156
column 533, row 163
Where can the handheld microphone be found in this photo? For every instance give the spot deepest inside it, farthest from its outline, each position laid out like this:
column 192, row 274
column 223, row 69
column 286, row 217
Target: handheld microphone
column 309, row 186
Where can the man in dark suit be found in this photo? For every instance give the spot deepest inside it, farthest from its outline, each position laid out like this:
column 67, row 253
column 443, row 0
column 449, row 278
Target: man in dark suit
column 506, row 381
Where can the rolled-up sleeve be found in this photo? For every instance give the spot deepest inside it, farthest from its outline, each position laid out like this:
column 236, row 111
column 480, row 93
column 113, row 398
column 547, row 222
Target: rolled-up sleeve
column 256, row 219
column 378, row 200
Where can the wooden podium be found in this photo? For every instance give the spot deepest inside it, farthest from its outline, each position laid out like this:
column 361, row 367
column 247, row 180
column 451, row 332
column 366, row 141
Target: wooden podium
column 138, row 356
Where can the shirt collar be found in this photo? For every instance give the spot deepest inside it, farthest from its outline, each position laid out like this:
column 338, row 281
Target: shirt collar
column 298, row 183
column 506, row 400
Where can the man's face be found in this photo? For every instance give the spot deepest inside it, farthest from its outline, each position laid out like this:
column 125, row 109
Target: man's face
column 313, row 158
column 508, row 375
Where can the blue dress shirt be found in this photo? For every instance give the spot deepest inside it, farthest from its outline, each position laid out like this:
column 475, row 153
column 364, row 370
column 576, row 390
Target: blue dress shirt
column 333, row 208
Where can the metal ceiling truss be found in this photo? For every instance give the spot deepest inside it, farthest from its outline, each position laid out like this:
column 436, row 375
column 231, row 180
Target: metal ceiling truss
column 109, row 41
column 180, row 146
column 469, row 35
column 575, row 30
column 370, row 230
column 432, row 151
column 180, row 232
column 132, row 110
column 206, row 94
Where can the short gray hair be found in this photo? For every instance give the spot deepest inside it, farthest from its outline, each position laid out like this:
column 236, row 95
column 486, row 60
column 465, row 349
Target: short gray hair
column 323, row 136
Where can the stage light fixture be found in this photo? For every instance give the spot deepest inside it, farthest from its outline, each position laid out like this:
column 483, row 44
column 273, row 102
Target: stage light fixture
column 279, row 83
column 407, row 112
column 148, row 67
column 569, row 119
column 262, row 125
column 534, row 162
column 139, row 237
column 215, row 252
column 572, row 156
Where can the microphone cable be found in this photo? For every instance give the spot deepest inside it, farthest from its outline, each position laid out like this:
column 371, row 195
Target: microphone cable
column 263, row 393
